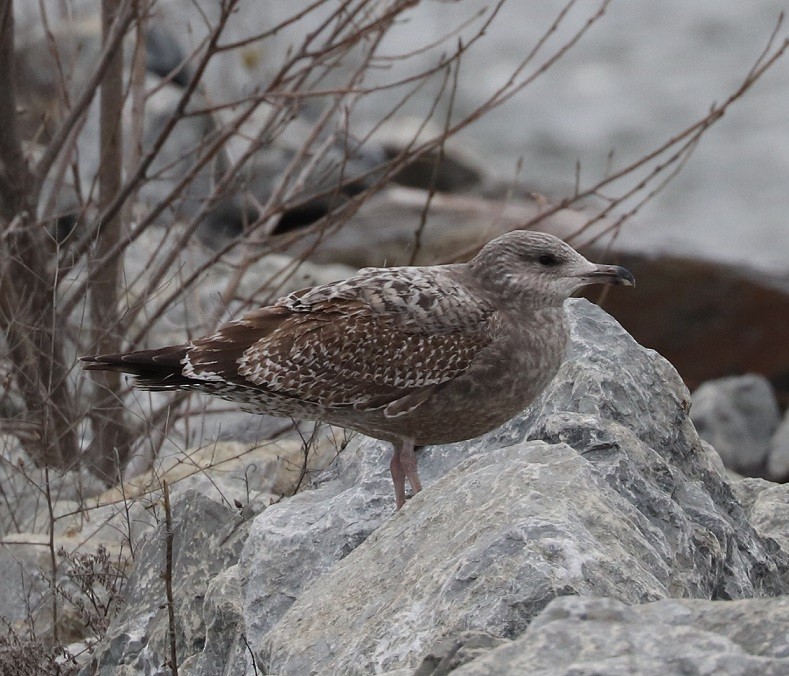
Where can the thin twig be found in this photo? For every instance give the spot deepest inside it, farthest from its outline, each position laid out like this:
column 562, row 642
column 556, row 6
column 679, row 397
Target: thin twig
column 125, row 16
column 438, row 162
column 53, row 562
column 168, row 577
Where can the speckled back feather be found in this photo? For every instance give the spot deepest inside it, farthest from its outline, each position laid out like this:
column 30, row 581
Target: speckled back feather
column 365, row 341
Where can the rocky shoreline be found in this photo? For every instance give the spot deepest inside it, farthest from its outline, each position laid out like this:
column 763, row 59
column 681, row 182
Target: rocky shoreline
column 595, row 533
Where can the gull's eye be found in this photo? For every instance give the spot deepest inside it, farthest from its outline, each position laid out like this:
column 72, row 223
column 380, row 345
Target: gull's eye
column 548, row 260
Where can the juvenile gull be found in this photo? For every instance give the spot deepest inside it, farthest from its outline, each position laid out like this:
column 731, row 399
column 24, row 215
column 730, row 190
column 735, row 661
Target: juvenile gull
column 410, row 355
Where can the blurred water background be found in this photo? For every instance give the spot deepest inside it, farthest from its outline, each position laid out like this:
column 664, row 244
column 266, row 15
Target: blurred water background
column 643, row 73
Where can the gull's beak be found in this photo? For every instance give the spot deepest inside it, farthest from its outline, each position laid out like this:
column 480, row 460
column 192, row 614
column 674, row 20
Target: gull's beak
column 609, row 274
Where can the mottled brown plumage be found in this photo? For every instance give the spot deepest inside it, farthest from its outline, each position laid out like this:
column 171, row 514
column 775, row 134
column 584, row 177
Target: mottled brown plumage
column 410, row 355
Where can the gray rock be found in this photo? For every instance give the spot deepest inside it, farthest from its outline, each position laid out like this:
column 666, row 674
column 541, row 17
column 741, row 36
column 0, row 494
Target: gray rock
column 338, row 167
column 684, row 636
column 78, row 528
column 25, row 585
column 737, row 415
column 778, row 460
column 78, row 43
column 225, row 648
column 208, row 539
column 767, row 506
column 297, row 540
column 456, row 651
column 383, row 230
column 602, row 487
column 178, row 156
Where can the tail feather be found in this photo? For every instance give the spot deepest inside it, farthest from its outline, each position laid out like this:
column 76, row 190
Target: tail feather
column 160, row 369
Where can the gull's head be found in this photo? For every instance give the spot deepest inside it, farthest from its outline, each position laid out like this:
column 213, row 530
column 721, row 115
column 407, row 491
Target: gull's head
column 534, row 266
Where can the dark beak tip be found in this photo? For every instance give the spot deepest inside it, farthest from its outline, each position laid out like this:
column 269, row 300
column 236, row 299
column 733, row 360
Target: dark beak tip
column 612, row 274
column 625, row 277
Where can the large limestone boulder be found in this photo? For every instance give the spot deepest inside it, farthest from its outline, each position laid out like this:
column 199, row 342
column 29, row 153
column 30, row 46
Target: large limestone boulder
column 601, row 492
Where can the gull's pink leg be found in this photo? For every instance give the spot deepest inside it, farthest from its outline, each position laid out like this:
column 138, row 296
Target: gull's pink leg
column 398, row 476
column 408, row 463
column 403, row 465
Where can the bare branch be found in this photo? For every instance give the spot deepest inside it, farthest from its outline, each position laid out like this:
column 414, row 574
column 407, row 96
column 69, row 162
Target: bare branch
column 111, row 442
column 168, row 577
column 15, row 175
column 112, row 45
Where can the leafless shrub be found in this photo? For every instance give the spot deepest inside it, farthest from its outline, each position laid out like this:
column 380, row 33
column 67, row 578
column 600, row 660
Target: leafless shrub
column 90, row 589
column 93, row 586
column 24, row 653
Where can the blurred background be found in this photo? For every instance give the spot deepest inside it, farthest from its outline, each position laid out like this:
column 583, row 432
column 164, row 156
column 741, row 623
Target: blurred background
column 644, row 72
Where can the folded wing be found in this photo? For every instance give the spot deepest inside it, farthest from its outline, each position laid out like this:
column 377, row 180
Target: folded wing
column 370, row 341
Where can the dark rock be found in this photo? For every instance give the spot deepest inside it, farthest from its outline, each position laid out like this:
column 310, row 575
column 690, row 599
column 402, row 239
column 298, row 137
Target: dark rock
column 384, row 229
column 447, row 172
column 709, row 319
column 164, row 56
column 340, row 170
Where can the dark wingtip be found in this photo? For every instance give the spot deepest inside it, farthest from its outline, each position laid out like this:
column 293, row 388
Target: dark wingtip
column 156, row 370
column 164, row 361
column 96, row 362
